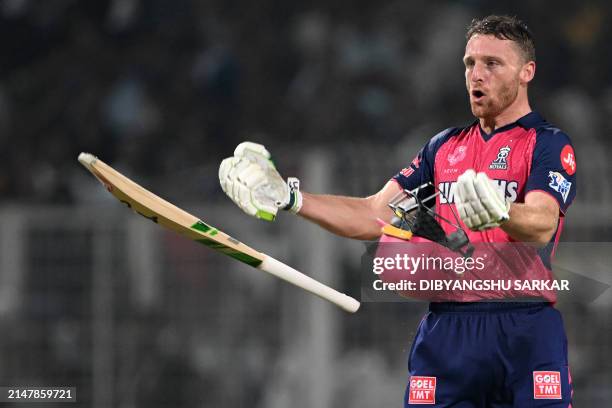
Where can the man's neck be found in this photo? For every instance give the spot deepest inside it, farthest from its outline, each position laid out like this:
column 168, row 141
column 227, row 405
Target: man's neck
column 508, row 116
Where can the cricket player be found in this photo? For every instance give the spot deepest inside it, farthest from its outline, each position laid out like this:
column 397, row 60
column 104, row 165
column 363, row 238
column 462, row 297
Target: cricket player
column 511, row 177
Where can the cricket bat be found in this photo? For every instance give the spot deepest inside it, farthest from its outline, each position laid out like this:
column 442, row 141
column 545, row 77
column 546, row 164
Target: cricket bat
column 170, row 216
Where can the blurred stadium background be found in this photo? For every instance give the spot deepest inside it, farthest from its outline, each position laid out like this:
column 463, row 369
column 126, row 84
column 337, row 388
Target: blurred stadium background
column 343, row 94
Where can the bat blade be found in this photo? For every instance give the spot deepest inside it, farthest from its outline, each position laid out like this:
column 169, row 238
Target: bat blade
column 166, row 214
column 172, row 217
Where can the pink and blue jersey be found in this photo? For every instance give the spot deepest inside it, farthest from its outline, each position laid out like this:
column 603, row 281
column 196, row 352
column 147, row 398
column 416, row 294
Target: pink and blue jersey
column 527, row 155
column 522, row 157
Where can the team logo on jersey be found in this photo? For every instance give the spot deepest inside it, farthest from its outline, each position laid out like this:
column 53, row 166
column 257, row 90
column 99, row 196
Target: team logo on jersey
column 546, row 385
column 422, row 390
column 501, row 162
column 456, row 156
column 568, row 160
column 559, row 184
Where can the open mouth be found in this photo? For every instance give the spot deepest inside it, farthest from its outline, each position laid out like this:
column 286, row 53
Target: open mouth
column 477, row 94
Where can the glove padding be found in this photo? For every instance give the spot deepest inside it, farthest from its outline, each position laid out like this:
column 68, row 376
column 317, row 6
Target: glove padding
column 251, row 180
column 480, row 204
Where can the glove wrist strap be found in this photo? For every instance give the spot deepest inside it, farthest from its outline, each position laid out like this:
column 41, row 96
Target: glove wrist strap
column 295, row 196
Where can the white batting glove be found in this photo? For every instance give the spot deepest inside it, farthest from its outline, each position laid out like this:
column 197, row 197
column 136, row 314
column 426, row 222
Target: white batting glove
column 251, row 180
column 480, row 204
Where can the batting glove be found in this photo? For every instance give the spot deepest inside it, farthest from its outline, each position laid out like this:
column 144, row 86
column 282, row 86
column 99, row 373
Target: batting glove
column 251, row 180
column 480, row 204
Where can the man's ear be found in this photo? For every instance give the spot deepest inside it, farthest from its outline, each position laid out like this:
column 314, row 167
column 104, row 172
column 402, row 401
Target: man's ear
column 527, row 72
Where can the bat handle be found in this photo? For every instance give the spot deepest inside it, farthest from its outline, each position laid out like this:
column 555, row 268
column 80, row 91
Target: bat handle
column 287, row 273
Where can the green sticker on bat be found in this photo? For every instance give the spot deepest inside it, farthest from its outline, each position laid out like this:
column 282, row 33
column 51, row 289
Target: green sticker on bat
column 202, row 226
column 241, row 256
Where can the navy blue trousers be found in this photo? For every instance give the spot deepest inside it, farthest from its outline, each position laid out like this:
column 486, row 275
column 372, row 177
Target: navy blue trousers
column 490, row 355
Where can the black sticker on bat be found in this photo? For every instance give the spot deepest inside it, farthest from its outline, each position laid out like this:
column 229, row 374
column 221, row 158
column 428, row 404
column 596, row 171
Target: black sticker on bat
column 151, row 218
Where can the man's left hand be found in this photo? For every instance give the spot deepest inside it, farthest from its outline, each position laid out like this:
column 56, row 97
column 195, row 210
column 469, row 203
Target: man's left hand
column 480, row 204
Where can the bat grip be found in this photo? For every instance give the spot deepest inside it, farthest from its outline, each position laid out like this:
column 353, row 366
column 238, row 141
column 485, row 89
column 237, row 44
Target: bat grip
column 297, row 278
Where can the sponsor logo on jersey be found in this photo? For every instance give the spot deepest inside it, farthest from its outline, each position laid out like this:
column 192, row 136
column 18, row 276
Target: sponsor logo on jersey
column 568, row 160
column 449, row 189
column 559, row 184
column 456, row 156
column 501, row 161
column 546, row 385
column 422, row 390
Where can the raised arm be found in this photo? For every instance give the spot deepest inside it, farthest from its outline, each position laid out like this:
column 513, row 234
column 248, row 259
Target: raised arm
column 250, row 179
column 535, row 220
column 350, row 217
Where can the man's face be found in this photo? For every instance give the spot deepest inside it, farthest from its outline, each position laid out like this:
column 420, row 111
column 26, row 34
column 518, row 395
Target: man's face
column 492, row 74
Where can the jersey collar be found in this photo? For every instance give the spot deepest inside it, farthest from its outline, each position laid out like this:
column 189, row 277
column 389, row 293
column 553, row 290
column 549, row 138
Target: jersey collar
column 529, row 121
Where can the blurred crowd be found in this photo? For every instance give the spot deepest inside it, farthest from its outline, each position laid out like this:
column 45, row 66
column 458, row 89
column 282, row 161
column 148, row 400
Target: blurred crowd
column 167, row 89
column 163, row 90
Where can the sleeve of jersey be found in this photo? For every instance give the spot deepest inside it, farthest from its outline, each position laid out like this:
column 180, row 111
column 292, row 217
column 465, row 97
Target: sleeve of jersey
column 553, row 167
column 421, row 170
